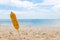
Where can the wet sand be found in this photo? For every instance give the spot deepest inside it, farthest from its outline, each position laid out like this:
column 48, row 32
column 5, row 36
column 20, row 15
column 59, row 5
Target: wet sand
column 29, row 33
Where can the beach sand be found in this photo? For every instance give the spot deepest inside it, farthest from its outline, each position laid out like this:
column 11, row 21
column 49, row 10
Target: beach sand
column 29, row 33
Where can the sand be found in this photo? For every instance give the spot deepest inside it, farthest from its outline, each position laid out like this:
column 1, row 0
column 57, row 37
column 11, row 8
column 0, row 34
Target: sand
column 29, row 33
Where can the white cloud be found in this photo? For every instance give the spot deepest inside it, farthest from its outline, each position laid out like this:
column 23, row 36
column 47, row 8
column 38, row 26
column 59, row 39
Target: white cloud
column 56, row 8
column 52, row 13
column 41, row 14
column 25, row 4
column 5, row 2
column 56, row 3
column 51, row 2
column 4, row 12
column 18, row 3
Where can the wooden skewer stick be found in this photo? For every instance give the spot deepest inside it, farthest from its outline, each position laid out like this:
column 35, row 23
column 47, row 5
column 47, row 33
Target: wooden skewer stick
column 15, row 23
column 19, row 35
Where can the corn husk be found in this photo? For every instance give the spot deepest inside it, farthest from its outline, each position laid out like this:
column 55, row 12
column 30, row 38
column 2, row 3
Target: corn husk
column 14, row 20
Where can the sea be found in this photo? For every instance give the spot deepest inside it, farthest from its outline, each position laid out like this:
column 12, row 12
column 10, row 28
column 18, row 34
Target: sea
column 33, row 22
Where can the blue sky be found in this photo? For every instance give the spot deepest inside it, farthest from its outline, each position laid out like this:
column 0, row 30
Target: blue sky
column 30, row 9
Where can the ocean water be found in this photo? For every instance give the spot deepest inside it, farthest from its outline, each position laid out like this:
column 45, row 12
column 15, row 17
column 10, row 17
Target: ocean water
column 33, row 22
